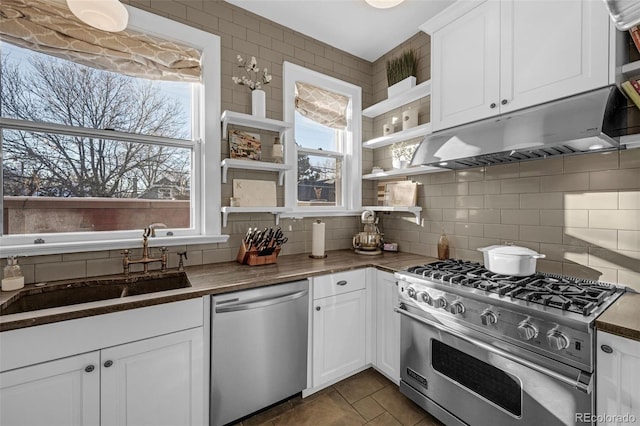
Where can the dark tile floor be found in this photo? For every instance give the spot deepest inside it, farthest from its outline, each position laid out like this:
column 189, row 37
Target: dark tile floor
column 366, row 398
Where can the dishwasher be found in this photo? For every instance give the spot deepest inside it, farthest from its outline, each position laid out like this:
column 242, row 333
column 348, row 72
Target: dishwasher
column 258, row 348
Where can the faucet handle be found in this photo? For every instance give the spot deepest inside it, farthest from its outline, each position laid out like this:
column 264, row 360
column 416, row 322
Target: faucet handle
column 164, row 250
column 125, row 252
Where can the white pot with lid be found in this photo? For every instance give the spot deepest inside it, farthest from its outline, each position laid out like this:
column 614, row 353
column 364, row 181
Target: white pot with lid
column 510, row 260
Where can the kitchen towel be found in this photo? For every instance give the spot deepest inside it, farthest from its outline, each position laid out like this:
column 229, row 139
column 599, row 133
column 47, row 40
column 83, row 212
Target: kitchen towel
column 317, row 239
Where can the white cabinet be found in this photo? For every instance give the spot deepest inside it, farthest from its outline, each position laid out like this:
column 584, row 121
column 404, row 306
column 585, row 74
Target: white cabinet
column 387, row 326
column 157, row 381
column 64, row 392
column 506, row 55
column 338, row 326
column 137, row 367
column 617, row 374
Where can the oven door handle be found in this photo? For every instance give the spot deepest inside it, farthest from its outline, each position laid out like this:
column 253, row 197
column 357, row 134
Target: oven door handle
column 583, row 382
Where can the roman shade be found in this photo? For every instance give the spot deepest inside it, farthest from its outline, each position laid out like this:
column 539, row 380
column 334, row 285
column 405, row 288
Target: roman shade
column 322, row 106
column 50, row 28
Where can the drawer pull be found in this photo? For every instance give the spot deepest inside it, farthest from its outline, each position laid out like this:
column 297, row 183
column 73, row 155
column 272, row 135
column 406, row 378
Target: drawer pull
column 89, row 368
column 342, row 282
column 606, row 349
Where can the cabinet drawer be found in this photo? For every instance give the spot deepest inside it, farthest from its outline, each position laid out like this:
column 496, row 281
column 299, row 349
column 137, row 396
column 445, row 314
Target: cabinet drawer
column 338, row 283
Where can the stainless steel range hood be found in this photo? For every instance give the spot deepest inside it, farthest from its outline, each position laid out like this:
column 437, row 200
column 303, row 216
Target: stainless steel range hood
column 582, row 123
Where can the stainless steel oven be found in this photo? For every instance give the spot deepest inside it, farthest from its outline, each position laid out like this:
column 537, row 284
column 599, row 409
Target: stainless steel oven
column 480, row 348
column 471, row 380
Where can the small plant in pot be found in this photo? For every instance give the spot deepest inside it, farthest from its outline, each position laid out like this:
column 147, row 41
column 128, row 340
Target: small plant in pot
column 401, row 154
column 401, row 72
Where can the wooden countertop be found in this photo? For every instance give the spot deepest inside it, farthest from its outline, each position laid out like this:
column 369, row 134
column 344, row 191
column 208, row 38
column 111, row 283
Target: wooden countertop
column 623, row 317
column 218, row 278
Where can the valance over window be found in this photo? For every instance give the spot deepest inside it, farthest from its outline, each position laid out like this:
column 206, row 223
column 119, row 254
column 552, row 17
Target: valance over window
column 322, row 106
column 51, row 28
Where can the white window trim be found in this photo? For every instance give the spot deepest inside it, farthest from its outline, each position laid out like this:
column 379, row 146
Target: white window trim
column 352, row 183
column 205, row 180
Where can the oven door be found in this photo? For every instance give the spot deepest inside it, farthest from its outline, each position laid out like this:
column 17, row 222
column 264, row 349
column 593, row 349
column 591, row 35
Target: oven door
column 450, row 373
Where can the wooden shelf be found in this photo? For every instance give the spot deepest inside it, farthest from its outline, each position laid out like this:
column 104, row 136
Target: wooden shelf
column 409, row 171
column 420, row 91
column 233, row 163
column 414, row 132
column 415, row 210
column 276, row 211
column 247, row 120
column 630, row 70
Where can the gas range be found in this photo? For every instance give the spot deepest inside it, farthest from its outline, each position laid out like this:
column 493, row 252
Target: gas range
column 551, row 315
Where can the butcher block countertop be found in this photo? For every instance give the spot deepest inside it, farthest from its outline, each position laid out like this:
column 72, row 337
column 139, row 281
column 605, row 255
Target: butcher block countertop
column 623, row 317
column 218, row 278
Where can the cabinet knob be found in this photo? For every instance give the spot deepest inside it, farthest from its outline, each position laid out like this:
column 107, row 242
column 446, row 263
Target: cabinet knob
column 89, row 368
column 607, row 349
column 341, row 282
column 317, row 308
column 108, row 363
column 493, row 105
column 504, row 102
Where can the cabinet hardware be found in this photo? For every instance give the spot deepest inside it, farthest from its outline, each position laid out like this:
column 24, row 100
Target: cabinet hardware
column 108, row 363
column 607, row 349
column 341, row 282
column 493, row 105
column 89, row 368
column 504, row 102
column 317, row 308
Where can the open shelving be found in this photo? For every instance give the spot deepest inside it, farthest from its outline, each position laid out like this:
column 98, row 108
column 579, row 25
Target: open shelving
column 232, row 163
column 409, row 171
column 419, row 91
column 414, row 132
column 414, row 210
column 276, row 211
column 241, row 119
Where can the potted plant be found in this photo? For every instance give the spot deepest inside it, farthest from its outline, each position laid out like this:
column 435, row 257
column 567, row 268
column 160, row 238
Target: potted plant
column 401, row 72
column 401, row 154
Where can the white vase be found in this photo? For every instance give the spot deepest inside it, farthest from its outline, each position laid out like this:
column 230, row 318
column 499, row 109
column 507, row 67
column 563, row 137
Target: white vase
column 258, row 103
column 401, row 86
column 409, row 118
column 399, row 164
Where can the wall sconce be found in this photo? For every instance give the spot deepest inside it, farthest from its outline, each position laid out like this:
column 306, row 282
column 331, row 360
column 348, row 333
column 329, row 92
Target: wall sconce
column 105, row 15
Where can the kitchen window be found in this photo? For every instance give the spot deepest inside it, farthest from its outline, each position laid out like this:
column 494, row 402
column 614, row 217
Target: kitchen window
column 324, row 143
column 91, row 155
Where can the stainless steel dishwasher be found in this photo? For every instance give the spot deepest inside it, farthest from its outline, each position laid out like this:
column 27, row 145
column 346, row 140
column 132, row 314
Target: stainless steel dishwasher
column 258, row 348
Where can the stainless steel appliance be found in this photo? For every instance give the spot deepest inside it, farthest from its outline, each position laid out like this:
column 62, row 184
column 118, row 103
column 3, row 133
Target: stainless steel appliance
column 258, row 349
column 482, row 348
column 369, row 240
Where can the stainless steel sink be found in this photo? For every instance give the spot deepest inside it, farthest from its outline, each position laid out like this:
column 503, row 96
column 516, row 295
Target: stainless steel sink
column 75, row 292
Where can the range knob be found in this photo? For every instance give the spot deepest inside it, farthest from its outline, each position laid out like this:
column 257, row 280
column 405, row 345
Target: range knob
column 439, row 302
column 557, row 340
column 424, row 296
column 456, row 308
column 527, row 331
column 411, row 292
column 488, row 318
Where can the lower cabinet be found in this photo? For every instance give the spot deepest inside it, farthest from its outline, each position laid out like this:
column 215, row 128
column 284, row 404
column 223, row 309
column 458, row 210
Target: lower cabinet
column 339, row 326
column 387, row 327
column 617, row 379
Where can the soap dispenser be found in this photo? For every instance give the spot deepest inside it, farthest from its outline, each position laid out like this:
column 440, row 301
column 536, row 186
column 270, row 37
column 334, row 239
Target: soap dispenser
column 443, row 246
column 12, row 278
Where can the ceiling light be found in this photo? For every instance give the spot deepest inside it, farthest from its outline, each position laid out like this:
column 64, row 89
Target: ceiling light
column 105, row 15
column 383, row 4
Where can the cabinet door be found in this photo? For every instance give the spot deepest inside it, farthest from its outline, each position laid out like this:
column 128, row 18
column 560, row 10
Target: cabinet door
column 387, row 326
column 154, row 382
column 65, row 392
column 552, row 49
column 465, row 68
column 617, row 373
column 339, row 329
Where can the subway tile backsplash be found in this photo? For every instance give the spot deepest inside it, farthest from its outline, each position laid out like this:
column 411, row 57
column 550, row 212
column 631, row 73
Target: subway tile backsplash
column 582, row 211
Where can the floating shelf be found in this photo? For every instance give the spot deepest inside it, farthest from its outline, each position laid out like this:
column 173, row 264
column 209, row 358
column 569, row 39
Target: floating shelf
column 232, row 163
column 420, row 91
column 276, row 211
column 630, row 70
column 240, row 119
column 415, row 210
column 414, row 132
column 409, row 171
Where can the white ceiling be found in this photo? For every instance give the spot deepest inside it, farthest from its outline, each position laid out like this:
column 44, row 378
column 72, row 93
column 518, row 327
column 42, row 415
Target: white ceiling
column 349, row 25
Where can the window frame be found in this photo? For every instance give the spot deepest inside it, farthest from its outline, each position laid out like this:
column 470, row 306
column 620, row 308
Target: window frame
column 351, row 150
column 205, row 144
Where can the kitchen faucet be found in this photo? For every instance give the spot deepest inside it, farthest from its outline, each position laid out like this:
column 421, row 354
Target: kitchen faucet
column 145, row 260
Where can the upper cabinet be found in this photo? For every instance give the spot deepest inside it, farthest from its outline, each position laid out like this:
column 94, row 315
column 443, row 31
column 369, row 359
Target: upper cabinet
column 500, row 56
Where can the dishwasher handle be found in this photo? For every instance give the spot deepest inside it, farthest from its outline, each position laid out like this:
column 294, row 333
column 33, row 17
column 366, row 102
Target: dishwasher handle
column 261, row 303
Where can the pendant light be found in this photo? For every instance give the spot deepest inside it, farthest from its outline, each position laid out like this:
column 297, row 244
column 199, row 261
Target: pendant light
column 106, row 15
column 383, row 4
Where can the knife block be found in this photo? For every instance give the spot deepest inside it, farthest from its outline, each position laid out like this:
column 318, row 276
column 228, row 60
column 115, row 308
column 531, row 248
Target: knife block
column 253, row 258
